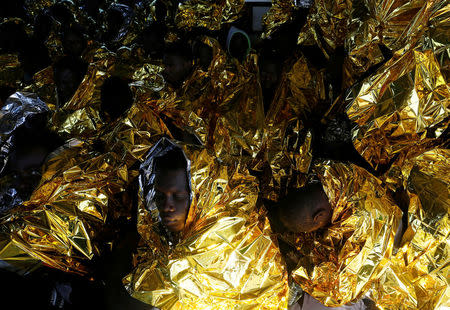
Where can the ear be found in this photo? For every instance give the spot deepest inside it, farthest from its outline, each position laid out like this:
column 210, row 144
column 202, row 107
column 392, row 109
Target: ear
column 321, row 218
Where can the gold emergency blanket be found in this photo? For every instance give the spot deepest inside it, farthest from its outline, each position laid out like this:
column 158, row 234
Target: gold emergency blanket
column 280, row 12
column 418, row 275
column 287, row 141
column 405, row 104
column 81, row 193
column 207, row 14
column 397, row 26
column 222, row 106
column 225, row 258
column 339, row 263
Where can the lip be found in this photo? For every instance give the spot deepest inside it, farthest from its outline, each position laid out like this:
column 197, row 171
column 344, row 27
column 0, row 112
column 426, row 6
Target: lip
column 168, row 220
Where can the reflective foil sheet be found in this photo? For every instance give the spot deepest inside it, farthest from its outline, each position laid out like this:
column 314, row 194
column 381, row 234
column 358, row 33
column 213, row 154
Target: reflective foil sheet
column 417, row 276
column 405, row 104
column 279, row 13
column 201, row 13
column 11, row 71
column 287, row 141
column 327, row 25
column 339, row 264
column 225, row 257
column 394, row 26
column 18, row 108
column 64, row 223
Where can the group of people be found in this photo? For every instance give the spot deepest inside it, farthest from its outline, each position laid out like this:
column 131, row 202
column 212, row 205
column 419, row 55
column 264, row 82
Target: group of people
column 170, row 154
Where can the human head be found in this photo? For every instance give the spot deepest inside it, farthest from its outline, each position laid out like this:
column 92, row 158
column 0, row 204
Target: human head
column 305, row 210
column 61, row 13
column 152, row 39
column 92, row 7
column 114, row 21
column 238, row 44
column 203, row 54
column 116, row 97
column 43, row 24
column 172, row 196
column 177, row 62
column 32, row 143
column 68, row 73
column 73, row 41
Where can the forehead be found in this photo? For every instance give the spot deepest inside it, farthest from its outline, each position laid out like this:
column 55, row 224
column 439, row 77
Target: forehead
column 173, row 59
column 176, row 178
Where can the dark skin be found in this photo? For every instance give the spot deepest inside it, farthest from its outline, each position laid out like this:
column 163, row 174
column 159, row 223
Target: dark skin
column 204, row 56
column 172, row 198
column 176, row 69
column 67, row 83
column 305, row 215
column 73, row 43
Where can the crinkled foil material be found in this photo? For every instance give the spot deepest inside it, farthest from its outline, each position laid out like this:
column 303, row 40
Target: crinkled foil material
column 397, row 25
column 225, row 257
column 418, row 275
column 44, row 86
column 34, row 7
column 201, row 13
column 327, row 25
column 287, row 142
column 222, row 106
column 82, row 123
column 405, row 104
column 56, row 225
column 18, row 108
column 11, row 71
column 79, row 117
column 280, row 12
column 339, row 264
column 79, row 196
column 239, row 125
column 88, row 93
column 437, row 37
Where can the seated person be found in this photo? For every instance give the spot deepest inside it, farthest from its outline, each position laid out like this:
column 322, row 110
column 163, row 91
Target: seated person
column 25, row 142
column 68, row 74
column 177, row 62
column 31, row 147
column 336, row 234
column 200, row 229
column 171, row 194
column 73, row 41
column 43, row 24
column 32, row 53
column 152, row 40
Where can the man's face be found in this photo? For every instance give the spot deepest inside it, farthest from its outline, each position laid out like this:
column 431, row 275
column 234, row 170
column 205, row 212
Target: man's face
column 176, row 69
column 314, row 216
column 172, row 198
column 67, row 83
column 73, row 44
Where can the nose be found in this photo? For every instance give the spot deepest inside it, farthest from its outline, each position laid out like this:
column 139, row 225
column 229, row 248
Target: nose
column 168, row 205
